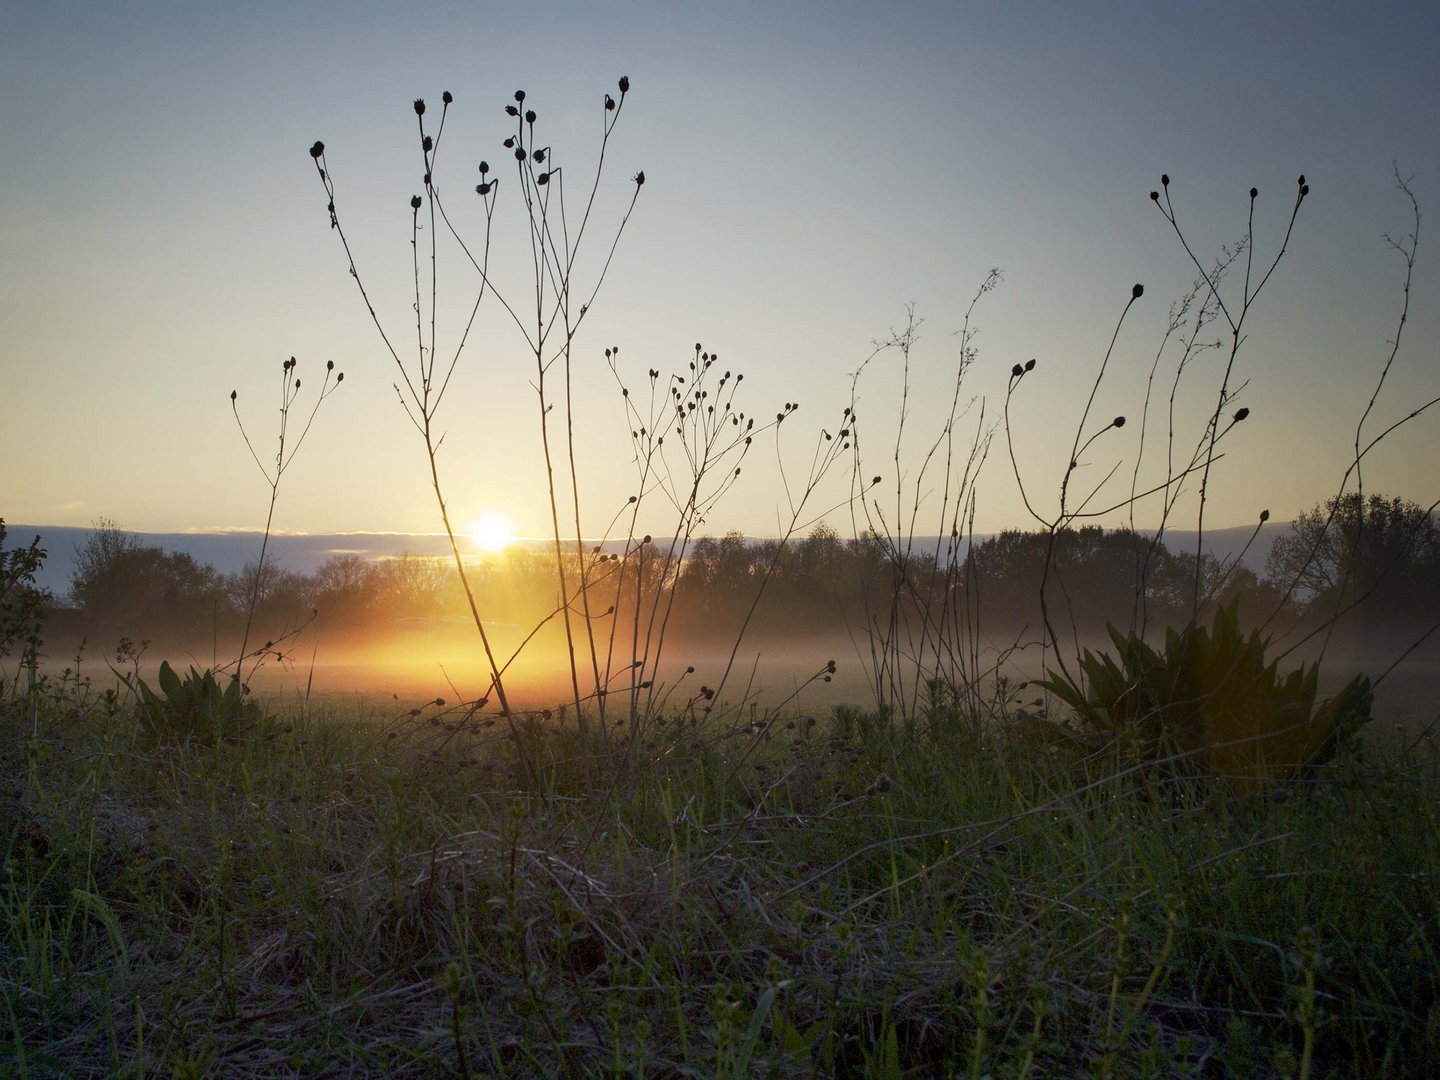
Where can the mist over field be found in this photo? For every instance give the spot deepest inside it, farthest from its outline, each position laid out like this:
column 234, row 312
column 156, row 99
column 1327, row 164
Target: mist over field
column 408, row 640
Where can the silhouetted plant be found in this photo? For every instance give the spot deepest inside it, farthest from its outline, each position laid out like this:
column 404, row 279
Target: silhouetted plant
column 1234, row 314
column 194, row 709
column 709, row 440
column 22, row 602
column 1205, row 303
column 922, row 620
column 285, row 452
column 1212, row 695
column 548, row 327
column 690, row 440
column 1350, row 555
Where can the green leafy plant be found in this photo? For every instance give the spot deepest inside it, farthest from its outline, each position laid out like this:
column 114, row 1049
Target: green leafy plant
column 197, row 709
column 22, row 603
column 1211, row 693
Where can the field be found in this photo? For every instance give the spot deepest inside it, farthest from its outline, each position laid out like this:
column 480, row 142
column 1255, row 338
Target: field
column 348, row 892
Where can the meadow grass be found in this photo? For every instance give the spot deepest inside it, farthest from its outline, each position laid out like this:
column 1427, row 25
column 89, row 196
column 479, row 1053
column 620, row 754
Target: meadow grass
column 350, row 893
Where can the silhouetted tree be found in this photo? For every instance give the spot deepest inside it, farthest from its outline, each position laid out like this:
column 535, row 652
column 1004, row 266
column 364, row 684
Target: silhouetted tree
column 1348, row 549
column 342, row 590
column 280, row 595
column 414, row 586
column 1095, row 577
column 118, row 577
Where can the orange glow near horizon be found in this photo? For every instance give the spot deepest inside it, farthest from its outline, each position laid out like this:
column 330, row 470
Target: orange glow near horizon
column 492, row 532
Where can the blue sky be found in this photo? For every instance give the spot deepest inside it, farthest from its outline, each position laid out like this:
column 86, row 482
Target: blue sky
column 811, row 169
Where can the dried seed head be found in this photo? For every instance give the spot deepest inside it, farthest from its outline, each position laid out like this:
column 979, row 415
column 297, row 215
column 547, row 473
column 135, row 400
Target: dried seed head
column 640, row 179
column 1254, row 192
column 448, row 98
column 329, row 365
column 482, row 189
column 510, row 143
column 340, row 377
column 529, row 116
column 484, row 167
column 1264, row 516
column 1164, row 179
column 609, row 103
column 624, row 84
column 1301, row 181
column 1119, row 421
column 1241, row 414
column 415, row 202
column 1155, row 196
column 1137, row 292
column 419, row 106
column 511, row 110
column 1016, row 371
column 634, row 498
column 233, row 395
column 427, row 144
column 1030, row 364
column 519, row 153
column 519, row 95
column 539, row 156
column 874, row 479
column 1304, row 190
column 647, row 539
column 317, row 150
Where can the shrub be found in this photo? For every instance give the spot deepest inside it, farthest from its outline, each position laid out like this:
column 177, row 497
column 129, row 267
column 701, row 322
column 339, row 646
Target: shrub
column 198, row 709
column 1211, row 694
column 22, row 604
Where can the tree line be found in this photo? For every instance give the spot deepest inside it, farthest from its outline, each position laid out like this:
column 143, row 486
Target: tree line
column 1376, row 558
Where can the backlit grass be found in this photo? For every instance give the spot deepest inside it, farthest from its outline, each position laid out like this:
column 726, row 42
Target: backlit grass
column 836, row 895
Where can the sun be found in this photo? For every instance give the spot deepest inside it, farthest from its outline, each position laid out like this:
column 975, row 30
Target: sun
column 492, row 532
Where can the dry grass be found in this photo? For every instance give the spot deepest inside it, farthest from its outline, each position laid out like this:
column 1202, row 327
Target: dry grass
column 849, row 900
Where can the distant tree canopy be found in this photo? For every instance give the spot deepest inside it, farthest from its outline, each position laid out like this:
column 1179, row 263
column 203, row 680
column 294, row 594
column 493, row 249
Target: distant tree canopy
column 816, row 582
column 116, row 576
column 278, row 593
column 1095, row 577
column 1386, row 548
column 1382, row 551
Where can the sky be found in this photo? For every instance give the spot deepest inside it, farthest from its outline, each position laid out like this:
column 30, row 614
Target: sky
column 813, row 172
